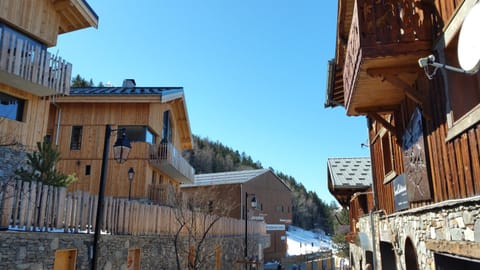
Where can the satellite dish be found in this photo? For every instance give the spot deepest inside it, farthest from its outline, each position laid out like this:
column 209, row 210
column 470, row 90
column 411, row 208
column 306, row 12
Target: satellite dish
column 468, row 49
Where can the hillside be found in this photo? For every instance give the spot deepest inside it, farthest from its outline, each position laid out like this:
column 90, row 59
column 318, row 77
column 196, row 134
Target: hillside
column 309, row 211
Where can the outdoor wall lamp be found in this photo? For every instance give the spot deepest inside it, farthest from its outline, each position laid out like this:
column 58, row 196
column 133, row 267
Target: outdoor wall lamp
column 121, row 149
column 254, row 205
column 131, row 174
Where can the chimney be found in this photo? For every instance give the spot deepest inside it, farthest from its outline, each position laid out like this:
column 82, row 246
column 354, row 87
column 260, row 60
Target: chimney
column 129, row 83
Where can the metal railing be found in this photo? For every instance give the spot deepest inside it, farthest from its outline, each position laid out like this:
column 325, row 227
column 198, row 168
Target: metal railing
column 167, row 158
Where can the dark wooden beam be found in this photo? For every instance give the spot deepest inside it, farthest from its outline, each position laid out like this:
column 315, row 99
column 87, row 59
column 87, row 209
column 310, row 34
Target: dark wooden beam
column 461, row 248
column 377, row 109
column 384, row 122
column 407, row 89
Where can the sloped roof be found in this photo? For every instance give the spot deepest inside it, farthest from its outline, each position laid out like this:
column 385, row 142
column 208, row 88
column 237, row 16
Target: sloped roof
column 113, row 91
column 223, row 178
column 350, row 172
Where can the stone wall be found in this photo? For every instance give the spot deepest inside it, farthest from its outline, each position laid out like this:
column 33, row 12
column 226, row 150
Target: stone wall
column 449, row 221
column 11, row 157
column 36, row 250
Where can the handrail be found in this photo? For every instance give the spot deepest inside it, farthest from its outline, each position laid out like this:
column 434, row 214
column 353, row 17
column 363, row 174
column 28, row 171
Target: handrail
column 33, row 63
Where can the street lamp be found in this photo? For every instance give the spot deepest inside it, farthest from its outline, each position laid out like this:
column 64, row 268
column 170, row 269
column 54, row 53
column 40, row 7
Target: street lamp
column 131, row 174
column 254, row 205
column 121, row 149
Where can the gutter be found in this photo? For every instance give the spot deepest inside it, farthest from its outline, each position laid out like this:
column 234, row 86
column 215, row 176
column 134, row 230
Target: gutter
column 59, row 117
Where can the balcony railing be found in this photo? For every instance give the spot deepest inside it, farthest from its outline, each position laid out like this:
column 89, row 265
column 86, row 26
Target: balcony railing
column 168, row 159
column 31, row 67
column 161, row 194
column 384, row 35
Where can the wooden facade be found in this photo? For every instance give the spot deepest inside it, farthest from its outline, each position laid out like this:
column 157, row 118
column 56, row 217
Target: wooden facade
column 423, row 124
column 153, row 167
column 29, row 74
column 450, row 130
column 44, row 20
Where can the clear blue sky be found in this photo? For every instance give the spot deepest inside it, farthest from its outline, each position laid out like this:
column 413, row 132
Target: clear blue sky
column 253, row 72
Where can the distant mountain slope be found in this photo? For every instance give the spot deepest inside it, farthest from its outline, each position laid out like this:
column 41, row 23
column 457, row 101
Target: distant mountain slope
column 309, row 211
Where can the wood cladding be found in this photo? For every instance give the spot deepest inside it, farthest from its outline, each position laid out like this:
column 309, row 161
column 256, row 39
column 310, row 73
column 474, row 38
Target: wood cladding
column 45, row 19
column 35, row 120
column 93, row 117
column 37, row 18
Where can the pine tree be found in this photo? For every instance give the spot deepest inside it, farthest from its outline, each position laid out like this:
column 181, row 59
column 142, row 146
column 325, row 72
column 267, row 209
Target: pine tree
column 41, row 166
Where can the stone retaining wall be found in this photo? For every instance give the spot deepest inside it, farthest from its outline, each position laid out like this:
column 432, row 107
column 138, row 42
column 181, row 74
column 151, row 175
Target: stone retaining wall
column 36, row 250
column 10, row 157
column 448, row 221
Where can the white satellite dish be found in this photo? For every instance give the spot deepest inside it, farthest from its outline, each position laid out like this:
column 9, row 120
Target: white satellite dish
column 468, row 49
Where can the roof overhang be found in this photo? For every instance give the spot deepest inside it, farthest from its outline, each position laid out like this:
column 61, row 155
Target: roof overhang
column 75, row 15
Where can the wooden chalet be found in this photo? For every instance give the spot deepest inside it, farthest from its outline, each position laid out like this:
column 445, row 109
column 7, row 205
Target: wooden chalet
column 423, row 127
column 155, row 120
column 350, row 182
column 273, row 197
column 29, row 74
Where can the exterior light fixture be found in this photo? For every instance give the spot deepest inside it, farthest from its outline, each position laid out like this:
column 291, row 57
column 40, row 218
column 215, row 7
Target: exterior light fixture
column 131, row 174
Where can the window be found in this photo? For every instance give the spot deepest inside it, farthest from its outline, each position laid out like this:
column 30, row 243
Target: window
column 388, row 162
column 279, row 208
column 167, row 127
column 76, row 138
column 139, row 134
column 463, row 96
column 88, row 170
column 11, row 107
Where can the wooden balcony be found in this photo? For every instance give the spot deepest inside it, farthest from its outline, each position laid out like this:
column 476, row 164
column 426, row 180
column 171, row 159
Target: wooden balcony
column 29, row 67
column 386, row 40
column 170, row 161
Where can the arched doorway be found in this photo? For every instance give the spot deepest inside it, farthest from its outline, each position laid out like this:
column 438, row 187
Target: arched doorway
column 411, row 261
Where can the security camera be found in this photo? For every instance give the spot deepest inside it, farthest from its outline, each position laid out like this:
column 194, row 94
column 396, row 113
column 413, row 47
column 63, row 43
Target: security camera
column 425, row 61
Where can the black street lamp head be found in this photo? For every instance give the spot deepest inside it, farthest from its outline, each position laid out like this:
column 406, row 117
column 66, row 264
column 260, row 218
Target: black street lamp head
column 121, row 148
column 131, row 174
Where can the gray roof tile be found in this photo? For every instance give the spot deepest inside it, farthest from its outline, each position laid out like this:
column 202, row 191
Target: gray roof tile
column 350, row 172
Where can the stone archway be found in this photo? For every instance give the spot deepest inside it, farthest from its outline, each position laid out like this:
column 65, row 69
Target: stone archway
column 411, row 260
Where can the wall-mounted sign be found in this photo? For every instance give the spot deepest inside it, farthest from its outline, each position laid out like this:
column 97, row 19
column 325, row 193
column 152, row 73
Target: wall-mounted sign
column 400, row 193
column 414, row 161
column 286, row 220
column 275, row 227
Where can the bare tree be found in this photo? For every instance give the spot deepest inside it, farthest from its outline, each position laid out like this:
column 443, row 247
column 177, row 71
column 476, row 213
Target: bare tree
column 194, row 240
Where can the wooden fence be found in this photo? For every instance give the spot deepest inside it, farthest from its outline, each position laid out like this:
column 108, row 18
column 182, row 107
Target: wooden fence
column 32, row 206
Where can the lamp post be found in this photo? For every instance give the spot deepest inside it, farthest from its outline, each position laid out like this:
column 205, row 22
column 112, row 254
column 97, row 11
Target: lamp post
column 254, row 205
column 131, row 174
column 121, row 149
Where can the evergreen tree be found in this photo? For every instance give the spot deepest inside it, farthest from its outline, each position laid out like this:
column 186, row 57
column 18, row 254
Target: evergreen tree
column 309, row 211
column 78, row 81
column 41, row 166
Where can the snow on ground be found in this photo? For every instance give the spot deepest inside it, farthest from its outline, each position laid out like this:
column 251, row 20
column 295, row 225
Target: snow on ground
column 300, row 241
